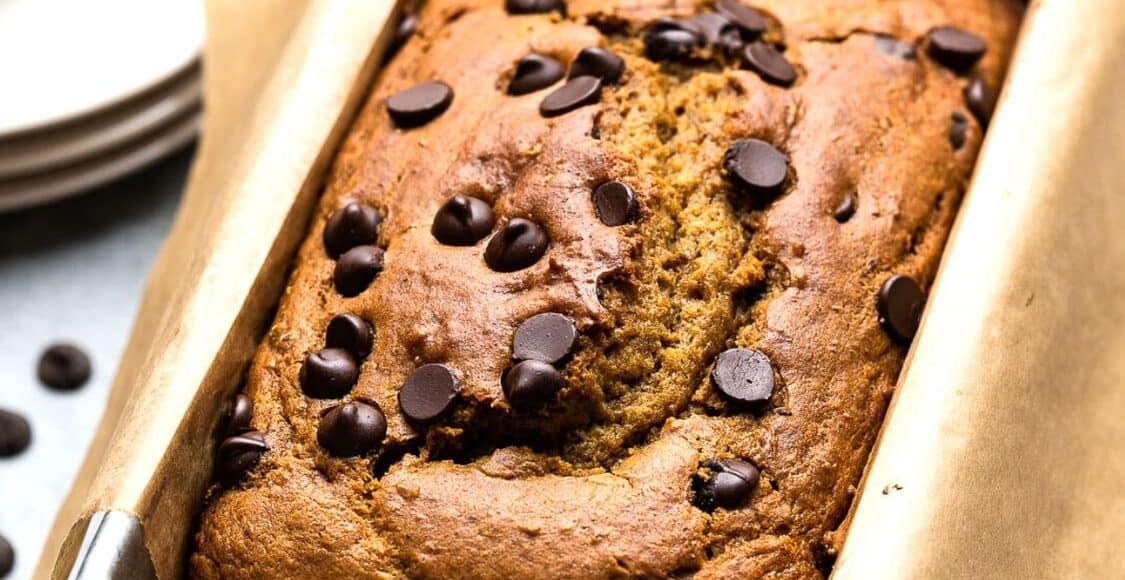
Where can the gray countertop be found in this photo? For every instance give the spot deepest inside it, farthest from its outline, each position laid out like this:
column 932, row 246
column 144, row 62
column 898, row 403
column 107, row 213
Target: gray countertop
column 72, row 271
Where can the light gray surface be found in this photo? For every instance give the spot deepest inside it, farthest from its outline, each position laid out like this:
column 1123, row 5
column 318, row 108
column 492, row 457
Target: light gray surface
column 72, row 271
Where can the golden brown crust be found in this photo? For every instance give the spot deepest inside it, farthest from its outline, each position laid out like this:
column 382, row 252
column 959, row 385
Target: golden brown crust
column 599, row 484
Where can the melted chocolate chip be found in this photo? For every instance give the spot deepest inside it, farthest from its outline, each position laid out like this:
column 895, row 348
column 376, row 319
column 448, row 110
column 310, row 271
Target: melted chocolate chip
column 7, row 557
column 351, row 333
column 576, row 93
column 756, row 167
column 958, row 130
column 462, row 221
column 419, row 104
column 547, row 337
column 15, row 433
column 846, row 209
column 329, row 373
column 955, row 48
column 63, row 367
column 981, row 101
column 750, row 21
column 428, row 393
column 351, row 429
column 535, row 6
column 598, row 62
column 671, row 40
column 744, row 375
column 615, row 203
column 770, row 65
column 238, row 416
column 518, row 245
column 531, row 383
column 728, row 485
column 238, row 455
column 353, row 225
column 535, row 72
column 900, row 306
column 356, row 269
column 892, row 46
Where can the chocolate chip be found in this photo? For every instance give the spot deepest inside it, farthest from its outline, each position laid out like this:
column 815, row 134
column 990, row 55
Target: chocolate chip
column 664, row 42
column 715, row 28
column 428, row 393
column 419, row 104
column 750, row 21
column 770, row 65
column 535, row 72
column 744, row 375
column 728, row 484
column 406, row 27
column 981, row 101
column 535, row 6
column 15, row 433
column 615, row 203
column 238, row 454
column 518, row 245
column 351, row 429
column 892, row 46
column 353, row 225
column 846, row 209
column 462, row 221
column 956, row 48
column 238, row 416
column 958, row 130
column 7, row 557
column 598, row 62
column 577, row 92
column 531, row 383
column 64, row 367
column 356, row 269
column 546, row 337
column 351, row 333
column 900, row 307
column 756, row 167
column 329, row 373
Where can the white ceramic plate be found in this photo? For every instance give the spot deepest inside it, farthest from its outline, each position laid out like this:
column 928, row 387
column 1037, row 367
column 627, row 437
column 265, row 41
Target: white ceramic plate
column 60, row 59
column 52, row 185
column 72, row 142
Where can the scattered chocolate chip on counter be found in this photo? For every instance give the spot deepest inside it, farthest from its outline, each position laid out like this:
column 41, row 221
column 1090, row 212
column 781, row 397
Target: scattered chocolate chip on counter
column 329, row 374
column 728, row 485
column 15, row 433
column 63, row 367
column 351, row 429
column 419, row 104
column 462, row 221
column 744, row 375
column 428, row 393
column 900, row 306
column 535, row 72
column 518, row 245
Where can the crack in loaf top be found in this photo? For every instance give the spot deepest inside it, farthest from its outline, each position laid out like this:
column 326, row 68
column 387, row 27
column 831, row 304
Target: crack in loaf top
column 607, row 288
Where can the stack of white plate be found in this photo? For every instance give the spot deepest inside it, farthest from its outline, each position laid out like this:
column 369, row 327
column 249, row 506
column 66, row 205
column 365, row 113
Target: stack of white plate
column 93, row 89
